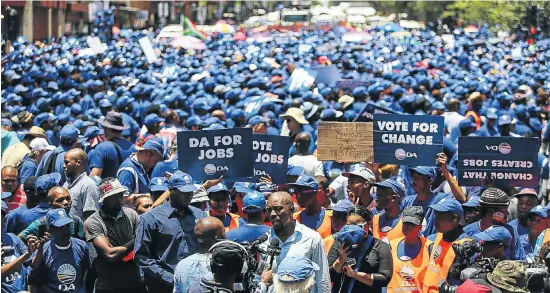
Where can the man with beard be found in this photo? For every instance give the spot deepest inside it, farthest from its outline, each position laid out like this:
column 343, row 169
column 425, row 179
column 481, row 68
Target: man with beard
column 111, row 230
column 295, row 239
column 471, row 210
column 527, row 199
column 83, row 190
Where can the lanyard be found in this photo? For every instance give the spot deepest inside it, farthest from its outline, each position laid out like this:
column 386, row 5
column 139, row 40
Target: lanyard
column 360, row 256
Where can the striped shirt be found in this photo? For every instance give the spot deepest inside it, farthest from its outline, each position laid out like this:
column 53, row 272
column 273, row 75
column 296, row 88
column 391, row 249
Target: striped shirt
column 17, row 199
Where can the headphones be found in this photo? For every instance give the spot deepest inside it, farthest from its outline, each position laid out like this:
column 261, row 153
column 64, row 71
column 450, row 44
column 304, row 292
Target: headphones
column 214, row 265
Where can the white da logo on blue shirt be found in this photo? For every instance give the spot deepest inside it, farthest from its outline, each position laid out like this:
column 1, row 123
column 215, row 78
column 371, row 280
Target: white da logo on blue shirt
column 66, row 274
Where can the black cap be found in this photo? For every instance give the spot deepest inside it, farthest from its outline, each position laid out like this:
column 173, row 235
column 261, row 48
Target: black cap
column 228, row 254
column 413, row 215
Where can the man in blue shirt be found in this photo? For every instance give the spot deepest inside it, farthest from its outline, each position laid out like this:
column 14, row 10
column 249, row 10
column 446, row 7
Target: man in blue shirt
column 107, row 156
column 254, row 205
column 538, row 218
column 68, row 137
column 527, row 199
column 135, row 171
column 490, row 127
column 60, row 263
column 43, row 185
column 422, row 178
column 166, row 235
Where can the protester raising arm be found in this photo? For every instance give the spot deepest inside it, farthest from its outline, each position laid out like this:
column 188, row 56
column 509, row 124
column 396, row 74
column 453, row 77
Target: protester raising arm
column 457, row 192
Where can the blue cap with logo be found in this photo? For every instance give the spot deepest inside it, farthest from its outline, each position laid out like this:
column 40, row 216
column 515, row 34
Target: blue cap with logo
column 154, row 145
column 158, row 184
column 254, row 202
column 472, row 202
column 220, row 187
column 306, row 181
column 182, row 182
column 539, row 211
column 426, row 171
column 244, row 186
column 495, row 234
column 152, row 119
column 343, row 205
column 294, row 170
column 394, row 185
column 58, row 218
column 45, row 182
column 295, row 269
column 448, row 205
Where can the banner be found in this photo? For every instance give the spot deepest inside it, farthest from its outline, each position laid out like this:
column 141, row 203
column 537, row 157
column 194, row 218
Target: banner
column 412, row 140
column 345, row 142
column 328, row 75
column 211, row 153
column 370, row 108
column 504, row 161
column 271, row 157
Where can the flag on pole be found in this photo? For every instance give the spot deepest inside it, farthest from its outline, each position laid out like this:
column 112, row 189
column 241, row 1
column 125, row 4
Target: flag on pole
column 190, row 29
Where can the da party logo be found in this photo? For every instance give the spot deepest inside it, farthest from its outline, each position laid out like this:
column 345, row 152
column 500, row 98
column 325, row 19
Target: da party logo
column 211, row 169
column 504, row 148
column 401, row 154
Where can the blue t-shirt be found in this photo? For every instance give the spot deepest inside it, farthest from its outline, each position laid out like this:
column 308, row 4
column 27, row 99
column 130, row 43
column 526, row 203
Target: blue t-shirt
column 227, row 221
column 428, row 227
column 248, row 232
column 312, row 222
column 105, row 156
column 14, row 222
column 521, row 230
column 33, row 214
column 514, row 252
column 62, row 270
column 387, row 222
column 165, row 166
column 528, row 247
column 16, row 281
column 28, row 168
column 134, row 127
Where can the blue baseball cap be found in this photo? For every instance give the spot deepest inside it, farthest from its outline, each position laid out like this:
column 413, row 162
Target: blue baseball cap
column 45, row 182
column 492, row 113
column 153, row 144
column 343, row 205
column 6, row 122
column 182, row 182
column 395, row 186
column 306, row 181
column 539, row 211
column 254, row 202
column 495, row 234
column 426, row 171
column 124, row 101
column 158, row 184
column 58, row 218
column 294, row 170
column 152, row 119
column 220, row 187
column 438, row 106
column 448, row 205
column 244, row 186
column 69, row 132
column 105, row 103
column 297, row 268
column 472, row 202
column 504, row 120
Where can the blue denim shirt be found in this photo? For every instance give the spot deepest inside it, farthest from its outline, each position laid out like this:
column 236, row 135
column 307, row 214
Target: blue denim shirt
column 163, row 239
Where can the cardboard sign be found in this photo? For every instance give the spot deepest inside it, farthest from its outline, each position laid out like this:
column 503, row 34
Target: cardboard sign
column 271, row 157
column 302, row 78
column 95, row 44
column 148, row 50
column 504, row 161
column 211, row 153
column 349, row 84
column 328, row 75
column 411, row 140
column 345, row 142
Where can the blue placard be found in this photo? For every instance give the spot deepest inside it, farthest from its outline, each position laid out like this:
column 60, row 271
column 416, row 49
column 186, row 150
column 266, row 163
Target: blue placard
column 271, row 157
column 211, row 153
column 411, row 140
column 370, row 108
column 253, row 106
column 504, row 161
column 328, row 75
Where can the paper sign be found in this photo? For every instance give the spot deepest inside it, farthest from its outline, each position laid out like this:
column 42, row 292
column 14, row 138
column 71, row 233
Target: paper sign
column 345, row 142
column 148, row 50
column 328, row 75
column 412, row 140
column 302, row 78
column 209, row 154
column 508, row 161
column 271, row 157
column 95, row 44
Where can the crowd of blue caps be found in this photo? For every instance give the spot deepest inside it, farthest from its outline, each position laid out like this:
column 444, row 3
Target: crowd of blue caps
column 51, row 81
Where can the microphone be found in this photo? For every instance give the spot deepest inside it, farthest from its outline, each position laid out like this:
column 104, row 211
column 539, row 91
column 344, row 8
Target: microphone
column 273, row 249
column 259, row 240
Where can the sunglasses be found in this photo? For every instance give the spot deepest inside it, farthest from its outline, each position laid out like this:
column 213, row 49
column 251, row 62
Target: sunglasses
column 276, row 209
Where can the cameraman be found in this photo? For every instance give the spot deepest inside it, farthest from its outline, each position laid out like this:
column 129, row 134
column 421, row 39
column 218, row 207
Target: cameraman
column 495, row 241
column 509, row 276
column 494, row 211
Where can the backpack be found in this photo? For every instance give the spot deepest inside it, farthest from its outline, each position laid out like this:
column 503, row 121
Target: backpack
column 49, row 165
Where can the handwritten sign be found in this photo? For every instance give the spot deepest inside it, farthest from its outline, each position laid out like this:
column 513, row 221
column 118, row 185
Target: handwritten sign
column 345, row 142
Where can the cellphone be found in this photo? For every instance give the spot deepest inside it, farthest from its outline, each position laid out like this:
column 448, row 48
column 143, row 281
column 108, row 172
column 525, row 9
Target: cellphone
column 42, row 230
column 351, row 262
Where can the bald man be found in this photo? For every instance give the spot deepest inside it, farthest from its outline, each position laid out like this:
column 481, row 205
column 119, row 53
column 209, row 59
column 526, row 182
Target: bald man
column 190, row 270
column 312, row 166
column 58, row 198
column 296, row 239
column 14, row 195
column 219, row 114
column 83, row 190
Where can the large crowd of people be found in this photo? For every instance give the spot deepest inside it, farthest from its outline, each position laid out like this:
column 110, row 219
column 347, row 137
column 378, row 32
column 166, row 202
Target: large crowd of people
column 94, row 200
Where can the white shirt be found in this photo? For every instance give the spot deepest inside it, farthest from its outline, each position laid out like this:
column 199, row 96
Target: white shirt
column 308, row 243
column 312, row 166
column 452, row 121
column 340, row 186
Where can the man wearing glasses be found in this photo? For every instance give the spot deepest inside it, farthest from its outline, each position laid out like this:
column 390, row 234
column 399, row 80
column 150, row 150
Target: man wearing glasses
column 295, row 239
column 313, row 215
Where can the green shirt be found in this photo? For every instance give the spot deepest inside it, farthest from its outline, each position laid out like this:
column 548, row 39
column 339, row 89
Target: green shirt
column 77, row 228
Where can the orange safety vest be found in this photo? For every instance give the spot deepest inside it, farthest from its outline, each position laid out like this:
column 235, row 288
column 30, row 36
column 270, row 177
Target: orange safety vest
column 393, row 233
column 326, row 226
column 233, row 223
column 328, row 242
column 477, row 118
column 440, row 261
column 408, row 275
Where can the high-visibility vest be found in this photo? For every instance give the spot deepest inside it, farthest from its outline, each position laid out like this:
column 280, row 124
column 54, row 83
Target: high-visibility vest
column 477, row 118
column 440, row 261
column 233, row 223
column 408, row 275
column 325, row 229
column 328, row 242
column 387, row 236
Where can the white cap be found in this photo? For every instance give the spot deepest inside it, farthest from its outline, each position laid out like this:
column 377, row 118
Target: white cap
column 39, row 144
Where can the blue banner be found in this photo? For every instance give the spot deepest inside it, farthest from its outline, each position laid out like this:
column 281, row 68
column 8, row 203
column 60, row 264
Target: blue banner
column 502, row 161
column 253, row 106
column 328, row 75
column 211, row 153
column 271, row 157
column 411, row 140
column 370, row 108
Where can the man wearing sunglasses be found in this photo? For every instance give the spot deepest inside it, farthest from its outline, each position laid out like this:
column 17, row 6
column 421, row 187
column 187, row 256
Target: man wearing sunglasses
column 313, row 215
column 537, row 221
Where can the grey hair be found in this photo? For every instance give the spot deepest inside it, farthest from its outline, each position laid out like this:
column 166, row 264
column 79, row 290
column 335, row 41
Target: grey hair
column 281, row 286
